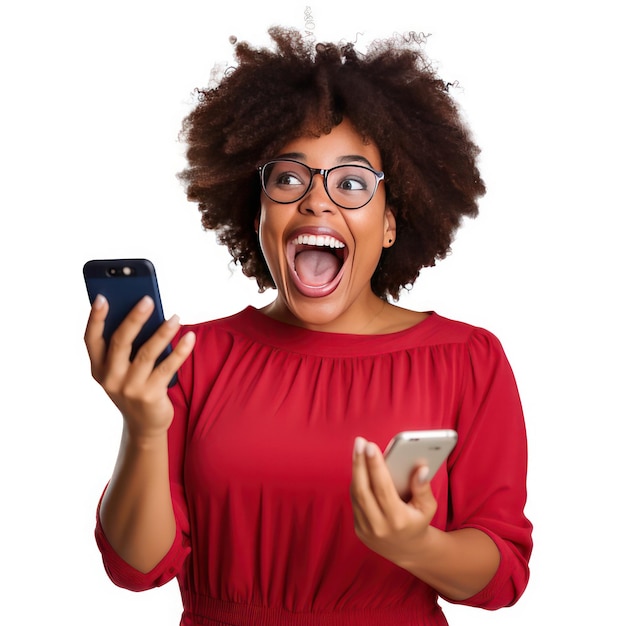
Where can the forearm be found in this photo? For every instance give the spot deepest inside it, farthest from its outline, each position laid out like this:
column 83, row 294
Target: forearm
column 457, row 564
column 136, row 511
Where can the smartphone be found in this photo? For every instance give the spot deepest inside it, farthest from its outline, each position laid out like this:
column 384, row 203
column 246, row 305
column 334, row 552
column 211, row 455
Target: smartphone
column 411, row 448
column 123, row 282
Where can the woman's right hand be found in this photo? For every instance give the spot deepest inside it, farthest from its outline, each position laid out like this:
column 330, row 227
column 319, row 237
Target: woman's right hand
column 138, row 388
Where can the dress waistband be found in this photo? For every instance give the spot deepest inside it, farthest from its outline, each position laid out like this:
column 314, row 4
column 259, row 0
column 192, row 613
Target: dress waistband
column 206, row 611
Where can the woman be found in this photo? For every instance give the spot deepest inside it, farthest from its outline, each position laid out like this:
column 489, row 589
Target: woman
column 258, row 480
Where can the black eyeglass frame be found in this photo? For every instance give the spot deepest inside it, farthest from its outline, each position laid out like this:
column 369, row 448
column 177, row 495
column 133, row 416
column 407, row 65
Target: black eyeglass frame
column 380, row 176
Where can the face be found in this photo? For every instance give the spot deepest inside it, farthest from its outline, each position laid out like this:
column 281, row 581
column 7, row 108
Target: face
column 322, row 256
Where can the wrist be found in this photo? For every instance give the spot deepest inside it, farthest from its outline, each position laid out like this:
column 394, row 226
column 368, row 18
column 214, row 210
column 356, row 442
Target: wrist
column 144, row 439
column 421, row 551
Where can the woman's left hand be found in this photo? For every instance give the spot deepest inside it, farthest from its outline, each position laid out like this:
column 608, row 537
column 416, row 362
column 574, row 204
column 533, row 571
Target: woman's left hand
column 384, row 522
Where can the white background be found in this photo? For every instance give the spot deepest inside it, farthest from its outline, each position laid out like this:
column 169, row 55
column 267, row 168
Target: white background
column 92, row 99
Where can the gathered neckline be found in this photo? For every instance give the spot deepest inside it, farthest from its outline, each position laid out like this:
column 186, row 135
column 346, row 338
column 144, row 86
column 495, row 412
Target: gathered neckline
column 266, row 330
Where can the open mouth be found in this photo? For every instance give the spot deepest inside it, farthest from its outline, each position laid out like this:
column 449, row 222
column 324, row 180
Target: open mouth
column 316, row 263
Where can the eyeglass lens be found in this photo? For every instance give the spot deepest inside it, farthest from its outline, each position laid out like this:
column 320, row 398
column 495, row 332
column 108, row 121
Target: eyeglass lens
column 348, row 186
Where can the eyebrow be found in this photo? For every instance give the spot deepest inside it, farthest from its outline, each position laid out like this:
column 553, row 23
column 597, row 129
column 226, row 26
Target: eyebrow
column 348, row 158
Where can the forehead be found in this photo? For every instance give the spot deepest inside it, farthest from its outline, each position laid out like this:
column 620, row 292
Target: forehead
column 344, row 144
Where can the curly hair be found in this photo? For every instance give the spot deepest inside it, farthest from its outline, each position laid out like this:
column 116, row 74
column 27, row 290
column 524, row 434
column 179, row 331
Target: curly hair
column 390, row 94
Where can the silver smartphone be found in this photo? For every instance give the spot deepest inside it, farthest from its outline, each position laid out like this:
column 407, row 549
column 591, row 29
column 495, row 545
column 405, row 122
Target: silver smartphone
column 411, row 448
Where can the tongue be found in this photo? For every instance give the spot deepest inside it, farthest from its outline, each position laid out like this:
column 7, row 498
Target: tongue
column 316, row 267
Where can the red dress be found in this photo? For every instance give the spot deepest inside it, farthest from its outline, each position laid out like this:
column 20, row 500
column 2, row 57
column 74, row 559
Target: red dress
column 260, row 462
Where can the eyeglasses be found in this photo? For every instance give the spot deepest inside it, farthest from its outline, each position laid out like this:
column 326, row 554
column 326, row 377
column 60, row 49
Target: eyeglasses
column 348, row 186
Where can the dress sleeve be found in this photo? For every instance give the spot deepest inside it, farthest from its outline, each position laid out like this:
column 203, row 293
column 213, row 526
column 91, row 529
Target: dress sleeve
column 488, row 471
column 120, row 572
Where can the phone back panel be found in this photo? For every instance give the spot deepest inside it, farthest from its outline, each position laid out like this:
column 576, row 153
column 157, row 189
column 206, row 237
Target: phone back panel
column 412, row 448
column 123, row 282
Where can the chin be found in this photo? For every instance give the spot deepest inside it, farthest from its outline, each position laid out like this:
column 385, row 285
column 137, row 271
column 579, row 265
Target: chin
column 316, row 313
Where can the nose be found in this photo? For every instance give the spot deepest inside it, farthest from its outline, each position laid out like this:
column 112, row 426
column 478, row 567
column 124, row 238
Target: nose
column 316, row 201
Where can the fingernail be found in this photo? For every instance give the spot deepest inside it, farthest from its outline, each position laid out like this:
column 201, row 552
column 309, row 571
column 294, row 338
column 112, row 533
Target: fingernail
column 422, row 474
column 188, row 337
column 174, row 320
column 99, row 301
column 144, row 303
column 359, row 445
column 370, row 449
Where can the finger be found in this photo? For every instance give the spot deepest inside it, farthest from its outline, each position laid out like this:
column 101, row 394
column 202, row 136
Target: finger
column 120, row 346
column 164, row 371
column 381, row 482
column 145, row 360
column 365, row 506
column 359, row 487
column 122, row 339
column 153, row 348
column 422, row 497
column 94, row 341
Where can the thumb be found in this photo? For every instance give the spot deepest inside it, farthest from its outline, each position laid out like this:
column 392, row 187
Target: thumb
column 422, row 497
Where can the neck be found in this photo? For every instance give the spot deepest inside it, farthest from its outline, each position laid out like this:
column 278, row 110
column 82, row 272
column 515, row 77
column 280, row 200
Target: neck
column 379, row 317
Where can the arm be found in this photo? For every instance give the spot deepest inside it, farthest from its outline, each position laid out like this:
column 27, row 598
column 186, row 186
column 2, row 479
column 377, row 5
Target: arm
column 136, row 511
column 487, row 543
column 457, row 564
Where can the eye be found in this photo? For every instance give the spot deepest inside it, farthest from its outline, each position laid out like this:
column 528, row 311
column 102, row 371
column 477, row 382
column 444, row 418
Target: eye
column 285, row 179
column 352, row 183
column 352, row 178
column 286, row 174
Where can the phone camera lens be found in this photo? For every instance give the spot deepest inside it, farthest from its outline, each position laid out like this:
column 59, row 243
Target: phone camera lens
column 124, row 270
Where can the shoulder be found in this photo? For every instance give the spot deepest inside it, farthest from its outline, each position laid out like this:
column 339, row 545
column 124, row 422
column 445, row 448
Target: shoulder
column 215, row 338
column 437, row 329
column 477, row 347
column 216, row 342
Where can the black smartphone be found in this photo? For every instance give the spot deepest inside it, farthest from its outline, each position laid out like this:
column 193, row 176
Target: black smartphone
column 123, row 282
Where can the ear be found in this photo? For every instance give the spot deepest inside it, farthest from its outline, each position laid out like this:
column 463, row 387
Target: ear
column 257, row 221
column 389, row 233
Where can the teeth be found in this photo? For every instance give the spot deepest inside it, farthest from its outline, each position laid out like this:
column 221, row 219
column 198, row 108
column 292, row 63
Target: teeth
column 319, row 240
